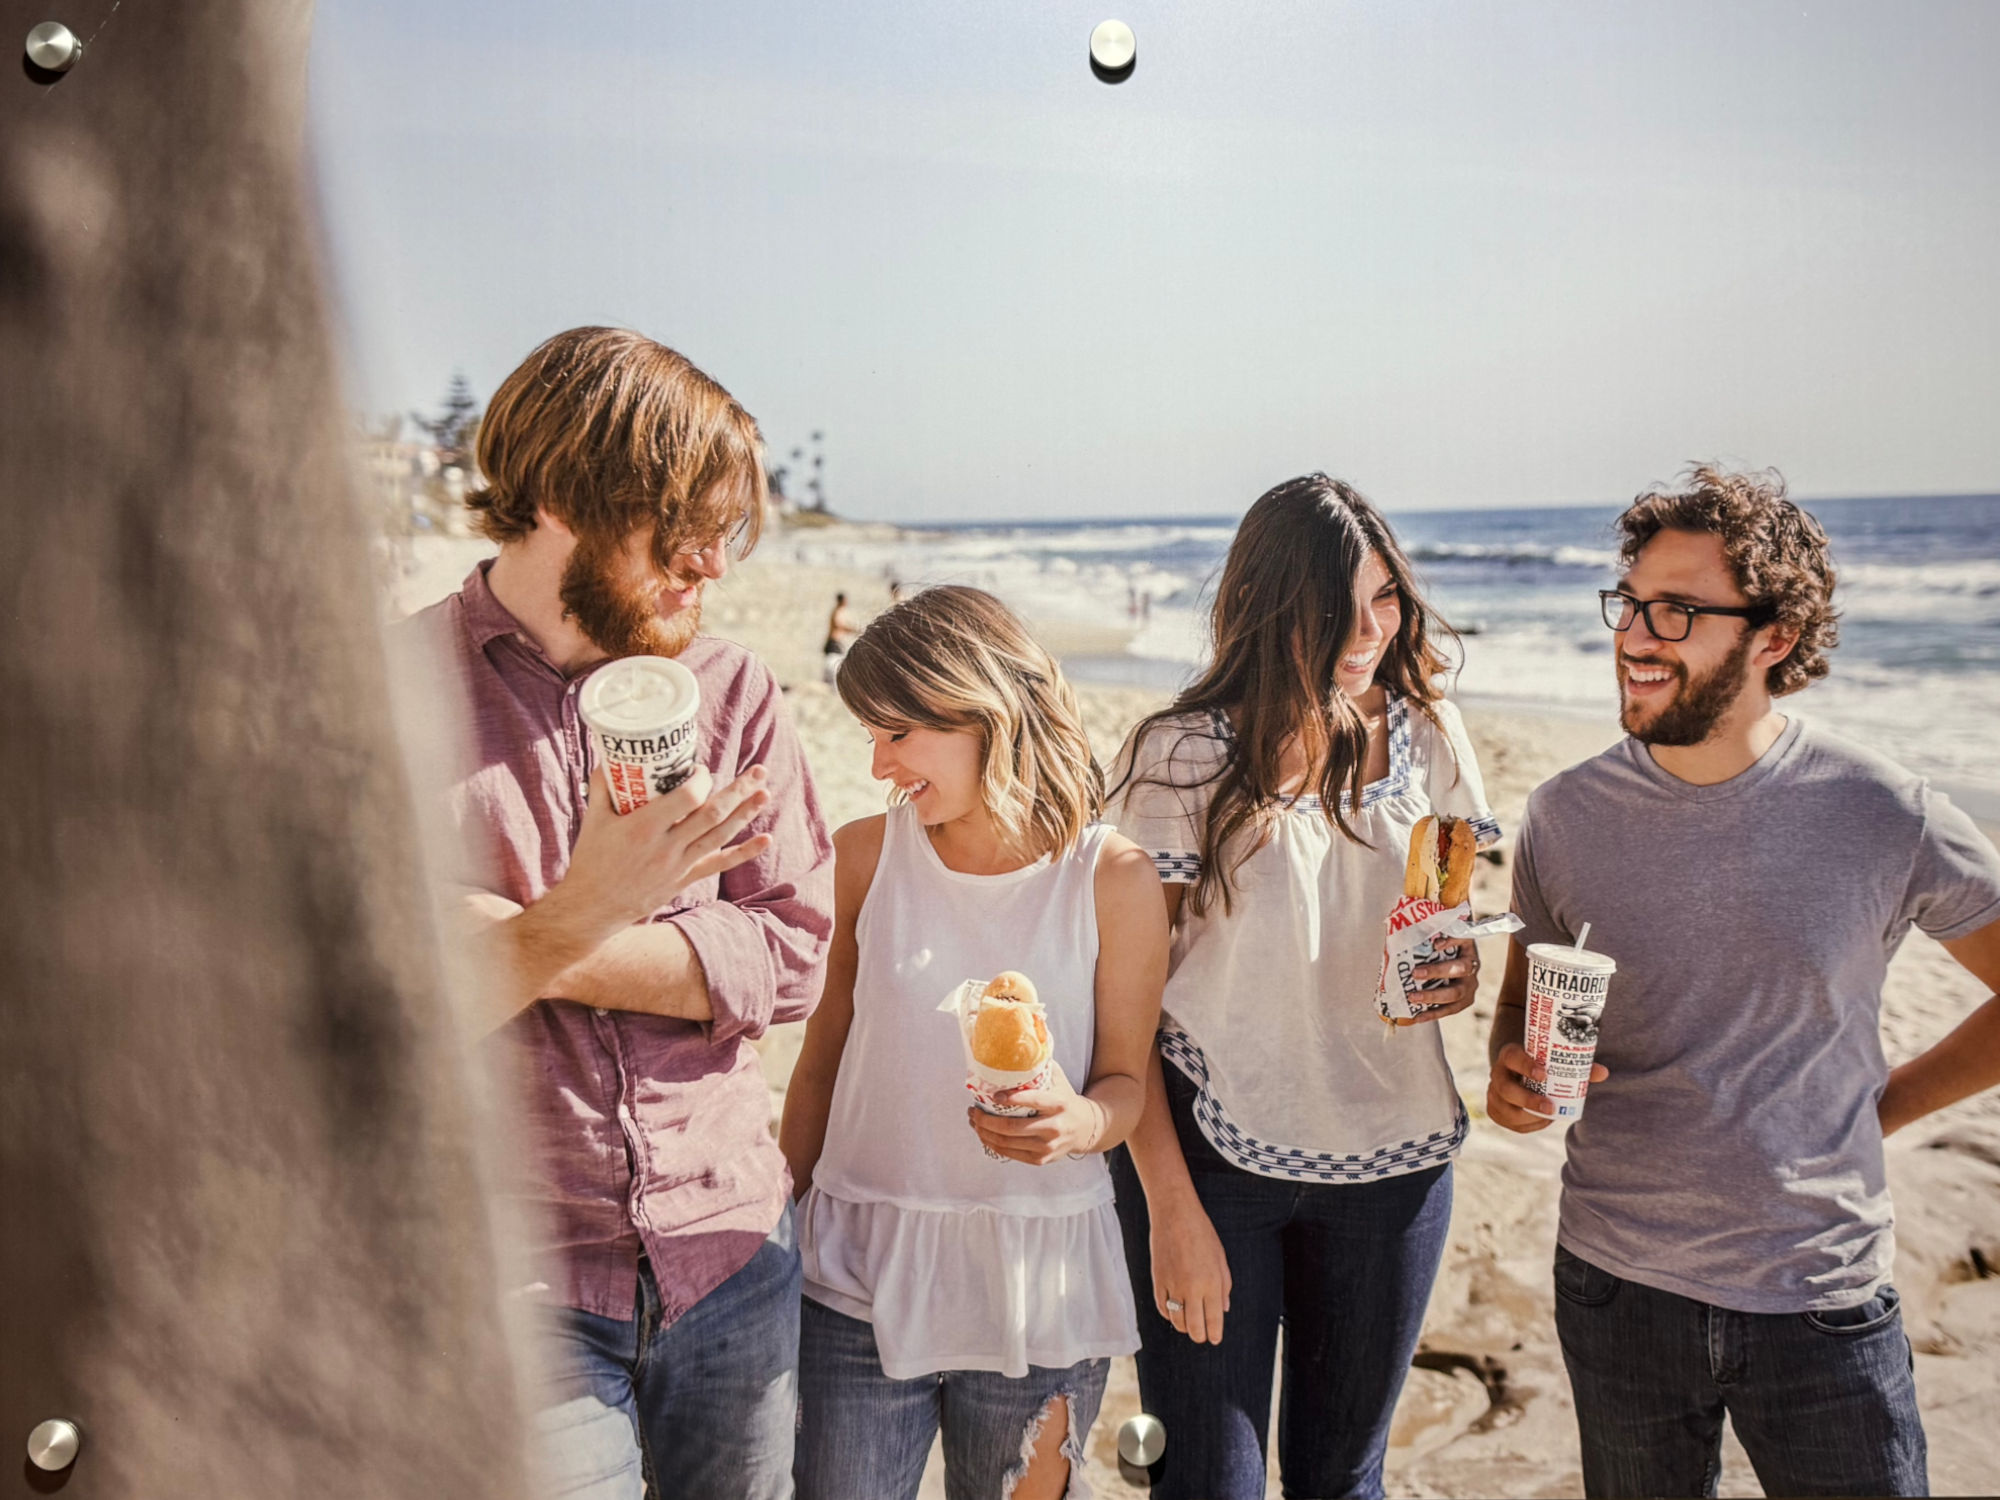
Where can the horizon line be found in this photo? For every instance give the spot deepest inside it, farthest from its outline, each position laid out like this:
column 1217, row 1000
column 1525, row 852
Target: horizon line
column 1218, row 517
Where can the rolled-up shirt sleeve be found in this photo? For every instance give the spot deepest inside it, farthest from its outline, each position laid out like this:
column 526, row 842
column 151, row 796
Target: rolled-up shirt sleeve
column 762, row 943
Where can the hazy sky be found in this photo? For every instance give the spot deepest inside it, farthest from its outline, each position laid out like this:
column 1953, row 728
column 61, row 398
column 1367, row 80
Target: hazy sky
column 1468, row 254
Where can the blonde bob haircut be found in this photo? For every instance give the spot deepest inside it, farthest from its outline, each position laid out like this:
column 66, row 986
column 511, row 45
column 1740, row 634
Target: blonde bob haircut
column 955, row 658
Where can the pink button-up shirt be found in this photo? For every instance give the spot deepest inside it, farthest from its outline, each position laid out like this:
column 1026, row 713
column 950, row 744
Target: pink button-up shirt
column 638, row 1131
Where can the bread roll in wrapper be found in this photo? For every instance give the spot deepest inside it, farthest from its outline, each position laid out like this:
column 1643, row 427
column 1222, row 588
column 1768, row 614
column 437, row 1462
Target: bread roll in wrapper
column 988, row 1083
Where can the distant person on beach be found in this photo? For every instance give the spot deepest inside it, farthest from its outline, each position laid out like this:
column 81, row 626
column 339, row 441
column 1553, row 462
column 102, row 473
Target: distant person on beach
column 1293, row 1165
column 635, row 958
column 963, row 1270
column 1726, row 1237
column 840, row 629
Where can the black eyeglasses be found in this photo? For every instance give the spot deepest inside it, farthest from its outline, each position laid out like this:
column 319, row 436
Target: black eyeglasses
column 1668, row 619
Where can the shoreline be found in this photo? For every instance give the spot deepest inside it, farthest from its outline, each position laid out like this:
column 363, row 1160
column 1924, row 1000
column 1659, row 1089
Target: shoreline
column 1094, row 653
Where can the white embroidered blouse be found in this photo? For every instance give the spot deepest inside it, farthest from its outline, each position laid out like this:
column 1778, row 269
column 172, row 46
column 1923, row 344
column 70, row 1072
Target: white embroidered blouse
column 1270, row 1009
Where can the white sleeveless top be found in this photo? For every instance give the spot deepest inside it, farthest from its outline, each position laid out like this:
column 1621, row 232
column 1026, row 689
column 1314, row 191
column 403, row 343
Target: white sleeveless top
column 962, row 1262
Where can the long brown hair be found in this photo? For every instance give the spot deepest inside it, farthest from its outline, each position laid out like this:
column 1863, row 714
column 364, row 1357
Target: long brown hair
column 957, row 658
column 1284, row 611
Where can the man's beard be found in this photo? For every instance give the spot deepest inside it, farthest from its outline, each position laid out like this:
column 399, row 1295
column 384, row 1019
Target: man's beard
column 1700, row 703
column 617, row 620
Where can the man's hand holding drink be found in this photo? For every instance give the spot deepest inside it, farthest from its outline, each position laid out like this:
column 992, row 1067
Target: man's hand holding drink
column 653, row 823
column 1512, row 1101
column 624, row 867
column 1544, row 1077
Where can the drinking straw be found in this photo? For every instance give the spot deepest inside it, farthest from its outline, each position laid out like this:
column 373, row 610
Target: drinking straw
column 1581, row 937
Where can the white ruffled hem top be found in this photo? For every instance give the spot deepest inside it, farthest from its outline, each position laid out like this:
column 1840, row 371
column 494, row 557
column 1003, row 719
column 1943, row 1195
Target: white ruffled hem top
column 962, row 1262
column 972, row 1289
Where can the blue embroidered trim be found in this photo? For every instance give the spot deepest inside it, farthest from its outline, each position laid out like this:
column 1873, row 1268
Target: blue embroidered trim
column 1395, row 784
column 1267, row 1160
column 1176, row 868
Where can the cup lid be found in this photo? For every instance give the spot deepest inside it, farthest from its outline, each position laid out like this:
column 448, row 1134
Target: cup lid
column 639, row 693
column 1579, row 960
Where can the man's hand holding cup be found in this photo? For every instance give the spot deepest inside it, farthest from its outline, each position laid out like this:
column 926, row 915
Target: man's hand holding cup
column 626, row 866
column 1511, row 1103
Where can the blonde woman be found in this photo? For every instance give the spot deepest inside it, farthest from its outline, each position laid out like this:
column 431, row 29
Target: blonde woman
column 946, row 1289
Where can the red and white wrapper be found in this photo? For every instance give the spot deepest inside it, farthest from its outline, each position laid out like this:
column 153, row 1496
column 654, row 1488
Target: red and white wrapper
column 1415, row 923
column 987, row 1084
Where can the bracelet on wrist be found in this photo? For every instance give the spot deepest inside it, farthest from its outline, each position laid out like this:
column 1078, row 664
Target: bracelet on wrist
column 1103, row 1125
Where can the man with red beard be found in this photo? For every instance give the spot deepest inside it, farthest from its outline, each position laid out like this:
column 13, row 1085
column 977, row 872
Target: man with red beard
column 1726, row 1234
column 635, row 959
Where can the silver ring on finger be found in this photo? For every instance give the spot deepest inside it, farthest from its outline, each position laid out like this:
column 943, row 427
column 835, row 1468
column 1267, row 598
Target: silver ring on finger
column 1174, row 1305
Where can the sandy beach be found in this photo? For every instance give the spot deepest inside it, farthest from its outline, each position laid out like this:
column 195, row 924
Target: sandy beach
column 1487, row 1411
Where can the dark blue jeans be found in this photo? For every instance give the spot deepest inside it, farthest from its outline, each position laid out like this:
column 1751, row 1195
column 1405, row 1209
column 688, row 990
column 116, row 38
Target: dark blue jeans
column 1347, row 1268
column 705, row 1408
column 1824, row 1403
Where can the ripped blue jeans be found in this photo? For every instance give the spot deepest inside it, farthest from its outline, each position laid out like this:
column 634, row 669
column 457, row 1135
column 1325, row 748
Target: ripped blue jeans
column 863, row 1436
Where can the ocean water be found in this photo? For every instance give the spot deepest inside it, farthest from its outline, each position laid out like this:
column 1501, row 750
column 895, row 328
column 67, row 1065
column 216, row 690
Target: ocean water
column 1916, row 674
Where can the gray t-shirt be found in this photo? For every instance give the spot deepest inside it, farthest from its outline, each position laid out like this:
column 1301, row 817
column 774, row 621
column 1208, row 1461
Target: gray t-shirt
column 1734, row 1155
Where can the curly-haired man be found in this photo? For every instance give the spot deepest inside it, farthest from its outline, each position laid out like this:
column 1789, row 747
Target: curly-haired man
column 1725, row 1235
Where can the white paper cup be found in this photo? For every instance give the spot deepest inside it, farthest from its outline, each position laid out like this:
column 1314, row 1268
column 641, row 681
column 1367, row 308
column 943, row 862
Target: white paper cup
column 1566, row 990
column 641, row 711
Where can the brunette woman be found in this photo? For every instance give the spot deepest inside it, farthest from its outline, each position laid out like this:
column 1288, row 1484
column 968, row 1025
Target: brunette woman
column 1293, row 1161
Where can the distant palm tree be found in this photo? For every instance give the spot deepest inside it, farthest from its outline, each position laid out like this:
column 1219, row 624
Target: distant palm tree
column 818, row 486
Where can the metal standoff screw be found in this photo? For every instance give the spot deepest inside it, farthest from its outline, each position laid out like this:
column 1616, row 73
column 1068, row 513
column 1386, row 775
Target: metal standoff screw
column 1113, row 51
column 54, row 1444
column 53, row 47
column 1142, row 1440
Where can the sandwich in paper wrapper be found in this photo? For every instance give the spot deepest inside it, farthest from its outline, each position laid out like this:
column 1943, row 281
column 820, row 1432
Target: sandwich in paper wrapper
column 1006, row 1038
column 1436, row 903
